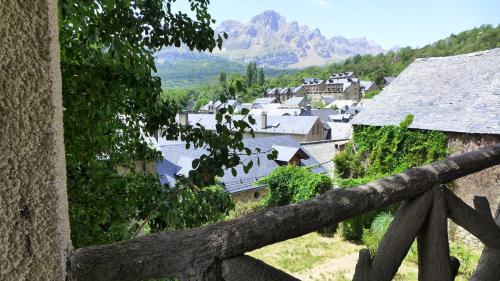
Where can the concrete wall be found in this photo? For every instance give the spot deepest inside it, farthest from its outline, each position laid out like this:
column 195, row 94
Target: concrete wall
column 34, row 227
column 484, row 183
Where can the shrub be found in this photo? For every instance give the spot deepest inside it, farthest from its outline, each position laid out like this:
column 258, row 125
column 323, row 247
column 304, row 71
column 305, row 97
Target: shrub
column 242, row 209
column 373, row 235
column 292, row 184
column 187, row 207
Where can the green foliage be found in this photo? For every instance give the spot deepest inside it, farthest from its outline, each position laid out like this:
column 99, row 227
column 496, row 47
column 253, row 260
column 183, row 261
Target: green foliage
column 373, row 235
column 352, row 229
column 188, row 207
column 245, row 208
column 112, row 102
column 378, row 151
column 371, row 94
column 292, row 184
column 375, row 152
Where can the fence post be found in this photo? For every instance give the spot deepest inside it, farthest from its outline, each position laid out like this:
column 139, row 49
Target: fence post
column 433, row 248
column 488, row 268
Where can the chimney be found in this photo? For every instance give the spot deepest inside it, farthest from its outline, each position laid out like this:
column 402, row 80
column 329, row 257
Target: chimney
column 308, row 110
column 182, row 117
column 263, row 120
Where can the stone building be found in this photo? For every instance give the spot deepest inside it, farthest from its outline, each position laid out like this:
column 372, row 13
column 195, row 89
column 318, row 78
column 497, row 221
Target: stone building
column 284, row 94
column 242, row 187
column 313, row 85
column 300, row 128
column 345, row 85
column 458, row 95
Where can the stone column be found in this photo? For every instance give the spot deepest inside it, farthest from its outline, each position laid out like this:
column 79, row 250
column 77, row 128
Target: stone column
column 34, row 225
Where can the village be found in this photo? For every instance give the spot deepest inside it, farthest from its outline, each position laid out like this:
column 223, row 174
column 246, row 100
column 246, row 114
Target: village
column 285, row 122
column 189, row 140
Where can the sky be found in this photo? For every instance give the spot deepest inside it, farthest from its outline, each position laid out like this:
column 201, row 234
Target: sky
column 387, row 22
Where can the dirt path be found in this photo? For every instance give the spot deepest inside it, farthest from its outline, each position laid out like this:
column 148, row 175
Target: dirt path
column 344, row 266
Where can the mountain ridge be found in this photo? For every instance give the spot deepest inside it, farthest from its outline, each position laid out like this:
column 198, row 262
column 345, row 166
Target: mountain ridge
column 269, row 40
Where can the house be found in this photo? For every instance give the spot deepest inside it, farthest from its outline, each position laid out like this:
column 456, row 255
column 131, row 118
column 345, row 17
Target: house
column 283, row 94
column 296, row 102
column 313, row 85
column 276, row 111
column 458, row 95
column 388, row 80
column 301, row 128
column 322, row 113
column 213, row 106
column 368, row 86
column 337, row 104
column 178, row 162
column 263, row 101
column 327, row 100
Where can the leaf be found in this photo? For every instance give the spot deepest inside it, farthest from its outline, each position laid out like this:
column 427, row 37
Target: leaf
column 195, row 163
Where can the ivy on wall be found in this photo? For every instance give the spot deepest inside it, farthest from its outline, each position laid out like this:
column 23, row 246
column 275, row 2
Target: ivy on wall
column 376, row 152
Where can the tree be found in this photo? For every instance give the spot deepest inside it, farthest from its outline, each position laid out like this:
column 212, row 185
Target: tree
column 223, row 80
column 112, row 103
column 251, row 76
column 261, row 78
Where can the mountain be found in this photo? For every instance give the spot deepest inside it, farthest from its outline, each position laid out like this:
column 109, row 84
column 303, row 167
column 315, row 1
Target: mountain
column 269, row 40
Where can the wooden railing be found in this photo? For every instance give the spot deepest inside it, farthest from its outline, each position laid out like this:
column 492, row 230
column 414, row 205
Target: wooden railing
column 216, row 252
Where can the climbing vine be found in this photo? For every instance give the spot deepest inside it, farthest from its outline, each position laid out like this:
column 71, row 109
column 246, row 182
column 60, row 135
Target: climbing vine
column 376, row 152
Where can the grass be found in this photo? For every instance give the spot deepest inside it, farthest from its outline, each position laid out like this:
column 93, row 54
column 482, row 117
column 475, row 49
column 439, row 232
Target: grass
column 305, row 252
column 310, row 257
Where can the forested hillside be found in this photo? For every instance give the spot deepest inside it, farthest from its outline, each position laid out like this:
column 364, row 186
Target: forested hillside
column 368, row 67
column 371, row 67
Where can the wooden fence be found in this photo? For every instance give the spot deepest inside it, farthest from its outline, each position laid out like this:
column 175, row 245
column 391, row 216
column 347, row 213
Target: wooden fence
column 216, row 252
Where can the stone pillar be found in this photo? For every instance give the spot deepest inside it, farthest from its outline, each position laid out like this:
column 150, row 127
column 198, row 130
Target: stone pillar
column 34, row 225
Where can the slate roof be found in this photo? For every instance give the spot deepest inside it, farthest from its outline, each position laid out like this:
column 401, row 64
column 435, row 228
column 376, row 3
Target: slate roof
column 346, row 82
column 365, row 84
column 276, row 111
column 453, row 94
column 322, row 113
column 388, row 79
column 329, row 100
column 175, row 154
column 295, row 101
column 294, row 125
column 264, row 100
column 341, row 75
column 311, row 81
column 286, row 153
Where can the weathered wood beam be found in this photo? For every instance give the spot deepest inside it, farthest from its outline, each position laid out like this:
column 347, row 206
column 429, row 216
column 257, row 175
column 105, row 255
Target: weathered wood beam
column 433, row 249
column 488, row 267
column 399, row 236
column 246, row 268
column 480, row 223
column 188, row 254
column 362, row 271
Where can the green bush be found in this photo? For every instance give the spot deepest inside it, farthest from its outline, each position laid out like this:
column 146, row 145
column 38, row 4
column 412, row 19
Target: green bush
column 292, row 184
column 352, row 229
column 242, row 209
column 373, row 235
column 187, row 206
